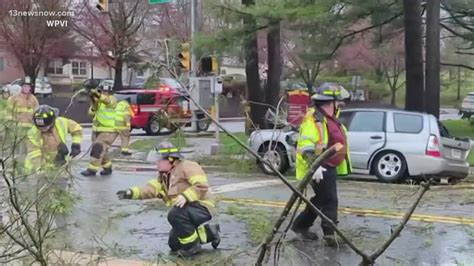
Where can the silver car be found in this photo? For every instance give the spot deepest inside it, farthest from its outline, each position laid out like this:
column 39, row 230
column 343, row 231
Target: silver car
column 391, row 144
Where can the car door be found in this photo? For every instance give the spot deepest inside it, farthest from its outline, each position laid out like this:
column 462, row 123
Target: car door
column 366, row 134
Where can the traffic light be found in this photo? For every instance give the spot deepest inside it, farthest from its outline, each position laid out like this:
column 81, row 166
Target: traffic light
column 185, row 57
column 103, row 5
column 209, row 64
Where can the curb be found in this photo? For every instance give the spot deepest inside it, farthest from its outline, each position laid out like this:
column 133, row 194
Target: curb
column 154, row 169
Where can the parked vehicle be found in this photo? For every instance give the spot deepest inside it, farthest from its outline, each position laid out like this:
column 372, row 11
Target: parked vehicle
column 467, row 106
column 42, row 87
column 155, row 109
column 391, row 144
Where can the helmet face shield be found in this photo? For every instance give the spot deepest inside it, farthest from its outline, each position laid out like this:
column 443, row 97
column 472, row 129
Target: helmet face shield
column 168, row 151
column 44, row 116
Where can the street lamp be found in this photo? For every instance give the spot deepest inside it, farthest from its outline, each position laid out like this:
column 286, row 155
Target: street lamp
column 91, row 44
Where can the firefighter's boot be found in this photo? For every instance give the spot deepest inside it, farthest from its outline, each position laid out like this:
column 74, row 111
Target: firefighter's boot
column 106, row 171
column 330, row 240
column 194, row 249
column 304, row 233
column 214, row 231
column 88, row 172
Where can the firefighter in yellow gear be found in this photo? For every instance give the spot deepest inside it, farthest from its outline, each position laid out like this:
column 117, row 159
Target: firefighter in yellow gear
column 47, row 140
column 319, row 130
column 123, row 116
column 103, row 106
column 183, row 186
column 23, row 105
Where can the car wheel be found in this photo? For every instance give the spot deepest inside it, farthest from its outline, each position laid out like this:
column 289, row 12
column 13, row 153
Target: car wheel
column 277, row 156
column 390, row 167
column 203, row 124
column 153, row 128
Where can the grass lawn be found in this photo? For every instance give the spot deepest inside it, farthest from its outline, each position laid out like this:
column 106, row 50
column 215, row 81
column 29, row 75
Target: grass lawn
column 230, row 145
column 143, row 145
column 461, row 128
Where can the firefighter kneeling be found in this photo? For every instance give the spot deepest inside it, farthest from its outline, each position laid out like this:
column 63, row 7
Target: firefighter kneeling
column 183, row 185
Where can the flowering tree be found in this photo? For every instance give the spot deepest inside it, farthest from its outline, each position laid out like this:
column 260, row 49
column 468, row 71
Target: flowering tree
column 113, row 33
column 27, row 34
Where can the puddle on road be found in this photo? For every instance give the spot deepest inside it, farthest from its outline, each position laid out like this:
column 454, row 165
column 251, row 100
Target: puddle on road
column 139, row 230
column 104, row 225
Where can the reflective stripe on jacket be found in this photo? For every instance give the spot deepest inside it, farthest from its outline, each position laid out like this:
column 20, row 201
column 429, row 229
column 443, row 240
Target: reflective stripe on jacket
column 187, row 178
column 104, row 115
column 23, row 106
column 41, row 153
column 123, row 114
column 313, row 134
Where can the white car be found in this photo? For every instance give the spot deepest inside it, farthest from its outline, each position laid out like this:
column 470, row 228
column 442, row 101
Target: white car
column 42, row 87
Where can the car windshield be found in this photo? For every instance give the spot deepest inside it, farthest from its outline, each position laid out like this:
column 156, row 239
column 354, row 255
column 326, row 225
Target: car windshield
column 130, row 97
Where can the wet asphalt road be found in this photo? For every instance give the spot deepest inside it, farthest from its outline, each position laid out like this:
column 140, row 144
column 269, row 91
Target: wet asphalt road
column 138, row 229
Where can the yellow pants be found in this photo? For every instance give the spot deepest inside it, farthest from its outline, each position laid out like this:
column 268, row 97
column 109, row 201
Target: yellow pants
column 124, row 140
column 100, row 150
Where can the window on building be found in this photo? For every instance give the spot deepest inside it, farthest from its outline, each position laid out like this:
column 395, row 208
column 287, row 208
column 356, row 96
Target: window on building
column 223, row 72
column 2, row 64
column 55, row 66
column 79, row 68
column 140, row 73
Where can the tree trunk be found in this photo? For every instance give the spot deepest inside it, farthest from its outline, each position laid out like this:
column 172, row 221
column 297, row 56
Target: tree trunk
column 432, row 97
column 394, row 97
column 413, row 55
column 118, row 85
column 272, row 90
column 458, row 96
column 30, row 71
column 254, row 91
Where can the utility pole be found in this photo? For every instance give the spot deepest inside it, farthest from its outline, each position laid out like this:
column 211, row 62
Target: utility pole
column 193, row 30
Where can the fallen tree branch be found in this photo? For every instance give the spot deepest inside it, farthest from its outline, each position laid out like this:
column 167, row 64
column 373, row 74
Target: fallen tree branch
column 421, row 191
column 279, row 175
column 301, row 187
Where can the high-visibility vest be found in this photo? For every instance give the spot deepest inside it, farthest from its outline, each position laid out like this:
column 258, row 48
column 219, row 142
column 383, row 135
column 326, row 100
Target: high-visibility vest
column 104, row 119
column 122, row 116
column 5, row 111
column 312, row 133
column 34, row 136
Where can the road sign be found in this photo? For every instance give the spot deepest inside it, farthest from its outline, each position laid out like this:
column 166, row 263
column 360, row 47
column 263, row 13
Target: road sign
column 152, row 2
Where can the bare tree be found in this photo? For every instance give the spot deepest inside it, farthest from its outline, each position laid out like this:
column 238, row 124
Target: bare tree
column 32, row 204
column 113, row 33
column 27, row 30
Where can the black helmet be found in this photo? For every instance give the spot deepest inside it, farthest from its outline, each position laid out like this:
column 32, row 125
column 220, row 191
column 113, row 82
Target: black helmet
column 26, row 81
column 45, row 115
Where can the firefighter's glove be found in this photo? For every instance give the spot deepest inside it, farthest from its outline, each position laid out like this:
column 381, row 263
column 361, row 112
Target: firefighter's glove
column 180, row 201
column 63, row 151
column 75, row 150
column 124, row 194
column 318, row 174
column 94, row 95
